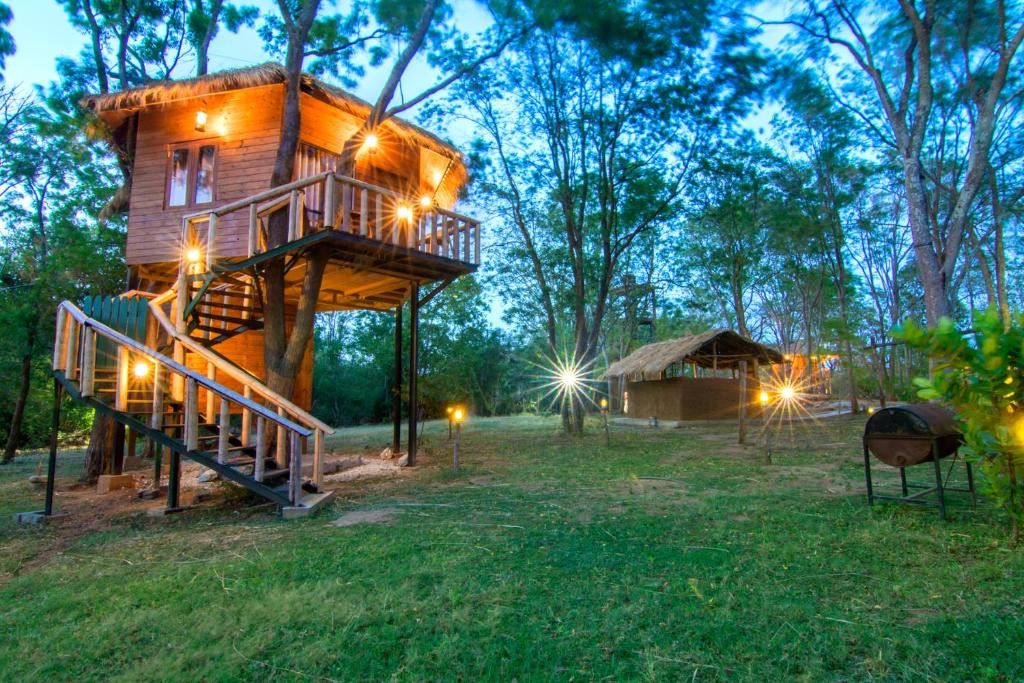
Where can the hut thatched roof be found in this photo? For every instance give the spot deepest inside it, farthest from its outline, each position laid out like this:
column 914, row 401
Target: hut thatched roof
column 715, row 348
column 113, row 107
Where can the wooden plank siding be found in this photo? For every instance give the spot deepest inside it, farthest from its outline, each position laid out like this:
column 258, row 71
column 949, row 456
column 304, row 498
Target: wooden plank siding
column 245, row 125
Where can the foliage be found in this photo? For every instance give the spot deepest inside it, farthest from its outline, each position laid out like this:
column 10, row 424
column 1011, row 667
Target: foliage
column 548, row 557
column 981, row 374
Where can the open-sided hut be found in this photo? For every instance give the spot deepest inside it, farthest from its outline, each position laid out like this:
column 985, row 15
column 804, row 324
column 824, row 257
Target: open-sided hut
column 691, row 378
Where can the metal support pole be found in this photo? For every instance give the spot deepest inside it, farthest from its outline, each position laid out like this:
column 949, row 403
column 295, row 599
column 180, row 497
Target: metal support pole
column 903, row 481
column 51, row 465
column 938, row 480
column 174, row 481
column 867, row 474
column 970, row 481
column 414, row 313
column 396, row 389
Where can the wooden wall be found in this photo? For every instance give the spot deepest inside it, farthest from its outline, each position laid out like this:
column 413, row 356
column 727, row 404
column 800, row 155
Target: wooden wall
column 687, row 398
column 245, row 124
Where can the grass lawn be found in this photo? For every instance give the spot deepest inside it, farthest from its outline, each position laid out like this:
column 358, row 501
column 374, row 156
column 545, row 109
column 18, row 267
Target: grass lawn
column 671, row 554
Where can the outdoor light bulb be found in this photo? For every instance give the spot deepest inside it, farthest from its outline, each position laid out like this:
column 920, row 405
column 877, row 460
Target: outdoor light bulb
column 450, row 410
column 426, row 201
column 604, row 403
column 458, row 415
column 569, row 379
column 787, row 393
column 201, row 119
column 405, row 213
column 193, row 255
column 763, row 397
column 371, row 141
column 871, row 410
column 141, row 369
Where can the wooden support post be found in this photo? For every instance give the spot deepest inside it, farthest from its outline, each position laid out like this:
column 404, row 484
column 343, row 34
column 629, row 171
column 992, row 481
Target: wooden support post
column 435, row 238
column 211, row 241
column 51, row 464
column 476, row 248
column 468, row 238
column 70, row 349
column 378, row 218
column 174, row 481
column 223, row 431
column 756, row 385
column 281, row 455
column 396, row 390
column 191, row 414
column 414, row 315
column 318, row 458
column 293, row 215
column 260, row 460
column 88, row 383
column 246, row 417
column 156, row 418
column 743, row 402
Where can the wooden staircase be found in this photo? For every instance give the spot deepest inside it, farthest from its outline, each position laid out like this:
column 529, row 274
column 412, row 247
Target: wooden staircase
column 256, row 438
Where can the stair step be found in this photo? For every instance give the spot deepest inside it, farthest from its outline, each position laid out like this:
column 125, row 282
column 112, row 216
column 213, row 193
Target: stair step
column 226, row 318
column 229, row 307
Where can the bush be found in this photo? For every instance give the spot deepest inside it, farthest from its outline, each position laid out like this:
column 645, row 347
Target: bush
column 979, row 373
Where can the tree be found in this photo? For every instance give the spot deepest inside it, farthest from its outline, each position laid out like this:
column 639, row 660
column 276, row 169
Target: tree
column 6, row 40
column 58, row 181
column 203, row 22
column 899, row 53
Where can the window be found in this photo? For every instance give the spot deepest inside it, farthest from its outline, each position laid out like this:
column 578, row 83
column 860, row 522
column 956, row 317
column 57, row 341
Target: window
column 191, row 174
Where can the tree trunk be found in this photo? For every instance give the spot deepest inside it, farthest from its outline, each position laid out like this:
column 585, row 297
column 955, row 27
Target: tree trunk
column 102, row 442
column 18, row 419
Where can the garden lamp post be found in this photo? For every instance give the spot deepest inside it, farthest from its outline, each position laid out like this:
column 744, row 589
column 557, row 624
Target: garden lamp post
column 458, row 417
column 604, row 419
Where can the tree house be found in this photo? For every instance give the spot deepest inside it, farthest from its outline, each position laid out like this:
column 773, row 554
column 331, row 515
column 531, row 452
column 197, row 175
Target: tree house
column 201, row 154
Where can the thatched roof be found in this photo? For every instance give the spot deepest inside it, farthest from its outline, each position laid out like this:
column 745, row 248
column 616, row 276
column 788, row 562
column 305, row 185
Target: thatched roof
column 715, row 348
column 112, row 107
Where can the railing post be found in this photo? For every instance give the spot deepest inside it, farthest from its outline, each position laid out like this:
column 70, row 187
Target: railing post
column 224, row 431
column 330, row 187
column 211, row 237
column 295, row 469
column 318, row 458
column 280, row 457
column 70, row 348
column 259, row 464
column 121, row 381
column 58, row 338
column 254, row 223
column 88, row 384
column 435, row 242
column 476, row 239
column 293, row 215
column 246, row 416
column 211, row 372
column 378, row 230
column 364, row 209
column 468, row 239
column 191, row 414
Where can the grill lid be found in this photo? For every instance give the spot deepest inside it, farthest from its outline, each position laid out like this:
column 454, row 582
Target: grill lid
column 913, row 420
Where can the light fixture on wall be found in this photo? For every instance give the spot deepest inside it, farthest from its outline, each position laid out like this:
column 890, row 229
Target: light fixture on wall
column 371, row 142
column 426, row 202
column 201, row 120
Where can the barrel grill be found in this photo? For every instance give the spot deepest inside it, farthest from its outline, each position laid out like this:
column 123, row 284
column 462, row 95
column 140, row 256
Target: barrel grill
column 913, row 434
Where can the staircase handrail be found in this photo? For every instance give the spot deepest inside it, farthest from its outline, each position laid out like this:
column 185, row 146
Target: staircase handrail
column 201, row 380
column 233, row 371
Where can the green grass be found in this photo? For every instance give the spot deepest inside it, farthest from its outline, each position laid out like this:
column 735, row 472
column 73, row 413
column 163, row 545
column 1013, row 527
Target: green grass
column 545, row 558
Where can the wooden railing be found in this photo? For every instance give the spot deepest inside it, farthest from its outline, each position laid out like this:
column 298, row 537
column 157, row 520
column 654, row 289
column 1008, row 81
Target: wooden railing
column 252, row 388
column 329, row 201
column 74, row 355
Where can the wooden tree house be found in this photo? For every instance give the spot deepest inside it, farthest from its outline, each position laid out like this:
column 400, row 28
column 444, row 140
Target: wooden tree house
column 178, row 359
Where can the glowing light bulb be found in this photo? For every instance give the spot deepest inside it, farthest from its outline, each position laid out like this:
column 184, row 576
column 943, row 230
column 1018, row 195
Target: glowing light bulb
column 763, row 397
column 405, row 213
column 437, row 178
column 193, row 255
column 569, row 378
column 201, row 120
column 426, row 202
column 787, row 393
column 371, row 141
column 141, row 369
column 458, row 415
column 604, row 403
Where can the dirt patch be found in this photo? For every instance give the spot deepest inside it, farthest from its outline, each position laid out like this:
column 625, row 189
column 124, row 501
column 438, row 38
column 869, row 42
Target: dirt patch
column 372, row 468
column 375, row 516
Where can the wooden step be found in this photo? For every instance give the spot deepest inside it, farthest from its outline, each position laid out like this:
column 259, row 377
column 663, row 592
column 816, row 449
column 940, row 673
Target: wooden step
column 230, row 307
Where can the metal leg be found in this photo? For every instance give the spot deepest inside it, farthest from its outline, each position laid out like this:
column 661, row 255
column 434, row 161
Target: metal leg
column 903, row 480
column 867, row 475
column 938, row 482
column 396, row 396
column 51, row 465
column 970, row 482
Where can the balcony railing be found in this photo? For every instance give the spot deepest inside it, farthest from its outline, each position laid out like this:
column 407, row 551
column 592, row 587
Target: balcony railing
column 329, row 201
